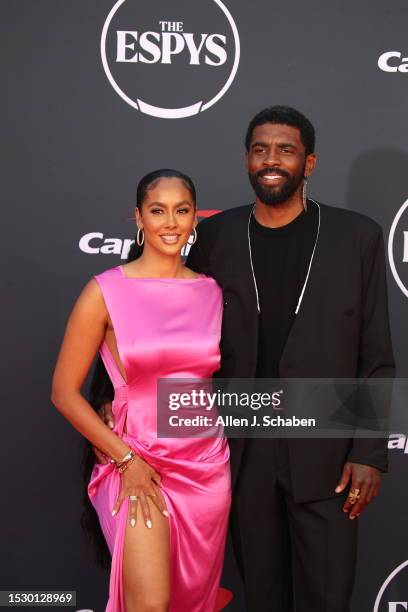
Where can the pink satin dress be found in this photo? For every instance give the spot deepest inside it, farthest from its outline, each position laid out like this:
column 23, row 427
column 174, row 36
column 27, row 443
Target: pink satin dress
column 166, row 328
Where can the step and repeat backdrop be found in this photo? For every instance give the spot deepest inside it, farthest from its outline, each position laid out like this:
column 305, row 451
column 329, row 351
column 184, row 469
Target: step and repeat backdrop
column 96, row 93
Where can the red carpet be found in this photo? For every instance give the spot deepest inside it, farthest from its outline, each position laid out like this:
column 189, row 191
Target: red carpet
column 223, row 599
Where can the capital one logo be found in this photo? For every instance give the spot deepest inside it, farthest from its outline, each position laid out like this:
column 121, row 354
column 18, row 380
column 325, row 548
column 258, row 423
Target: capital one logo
column 396, row 583
column 398, row 442
column 392, row 61
column 95, row 243
column 170, row 59
column 398, row 248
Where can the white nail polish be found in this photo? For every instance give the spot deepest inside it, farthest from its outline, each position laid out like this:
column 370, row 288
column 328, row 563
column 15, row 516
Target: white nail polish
column 133, row 522
column 113, row 512
column 149, row 524
column 166, row 513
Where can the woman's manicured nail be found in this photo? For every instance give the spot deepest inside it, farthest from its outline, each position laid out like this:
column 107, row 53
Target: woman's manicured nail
column 113, row 512
column 149, row 524
column 133, row 522
column 166, row 513
column 111, row 425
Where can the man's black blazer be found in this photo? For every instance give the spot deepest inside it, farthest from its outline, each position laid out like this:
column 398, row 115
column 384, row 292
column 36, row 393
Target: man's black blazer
column 341, row 330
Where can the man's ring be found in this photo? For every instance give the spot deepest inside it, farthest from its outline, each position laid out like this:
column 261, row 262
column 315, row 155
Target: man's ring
column 354, row 496
column 133, row 497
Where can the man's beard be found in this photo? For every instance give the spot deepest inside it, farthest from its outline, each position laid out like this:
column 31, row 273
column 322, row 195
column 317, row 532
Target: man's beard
column 275, row 194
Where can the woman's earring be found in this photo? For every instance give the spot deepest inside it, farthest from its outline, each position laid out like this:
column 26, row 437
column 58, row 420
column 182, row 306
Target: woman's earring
column 194, row 237
column 304, row 196
column 139, row 240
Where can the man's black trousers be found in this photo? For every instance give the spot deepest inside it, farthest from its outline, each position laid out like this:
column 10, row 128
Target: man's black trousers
column 292, row 557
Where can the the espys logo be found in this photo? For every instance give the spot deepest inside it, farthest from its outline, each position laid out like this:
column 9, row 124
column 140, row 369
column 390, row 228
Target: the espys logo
column 398, row 248
column 392, row 61
column 170, row 59
column 395, row 583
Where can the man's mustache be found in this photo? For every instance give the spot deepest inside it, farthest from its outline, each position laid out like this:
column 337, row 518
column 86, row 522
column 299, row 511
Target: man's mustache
column 272, row 171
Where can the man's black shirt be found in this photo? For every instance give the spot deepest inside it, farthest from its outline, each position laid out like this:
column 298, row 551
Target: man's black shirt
column 281, row 259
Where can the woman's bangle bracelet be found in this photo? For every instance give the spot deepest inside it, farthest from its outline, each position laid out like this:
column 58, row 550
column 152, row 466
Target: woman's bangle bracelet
column 125, row 465
column 127, row 457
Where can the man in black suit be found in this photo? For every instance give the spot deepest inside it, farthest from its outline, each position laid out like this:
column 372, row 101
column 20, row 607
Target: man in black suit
column 305, row 297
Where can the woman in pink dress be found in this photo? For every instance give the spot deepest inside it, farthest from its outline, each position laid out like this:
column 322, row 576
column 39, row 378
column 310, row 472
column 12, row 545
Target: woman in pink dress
column 162, row 503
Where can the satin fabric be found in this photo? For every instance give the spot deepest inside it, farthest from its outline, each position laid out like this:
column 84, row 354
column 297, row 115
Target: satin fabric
column 166, row 328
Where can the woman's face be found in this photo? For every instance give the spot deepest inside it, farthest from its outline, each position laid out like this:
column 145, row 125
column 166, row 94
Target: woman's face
column 167, row 216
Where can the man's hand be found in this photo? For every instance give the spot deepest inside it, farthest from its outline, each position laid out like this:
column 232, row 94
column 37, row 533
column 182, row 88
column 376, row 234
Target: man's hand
column 105, row 412
column 365, row 484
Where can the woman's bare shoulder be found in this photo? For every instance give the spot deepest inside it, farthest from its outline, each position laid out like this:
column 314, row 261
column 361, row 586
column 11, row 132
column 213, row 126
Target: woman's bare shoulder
column 91, row 299
column 190, row 273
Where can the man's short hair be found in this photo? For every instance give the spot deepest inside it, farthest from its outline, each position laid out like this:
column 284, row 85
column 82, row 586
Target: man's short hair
column 284, row 115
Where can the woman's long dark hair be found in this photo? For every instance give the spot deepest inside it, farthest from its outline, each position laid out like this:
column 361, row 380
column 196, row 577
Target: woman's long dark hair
column 101, row 389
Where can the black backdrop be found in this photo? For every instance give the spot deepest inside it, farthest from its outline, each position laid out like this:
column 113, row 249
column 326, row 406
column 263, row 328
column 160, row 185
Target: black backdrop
column 72, row 153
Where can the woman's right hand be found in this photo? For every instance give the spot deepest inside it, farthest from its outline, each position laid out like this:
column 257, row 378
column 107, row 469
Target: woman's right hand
column 140, row 481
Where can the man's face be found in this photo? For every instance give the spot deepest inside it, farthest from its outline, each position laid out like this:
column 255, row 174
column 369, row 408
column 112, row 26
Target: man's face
column 277, row 162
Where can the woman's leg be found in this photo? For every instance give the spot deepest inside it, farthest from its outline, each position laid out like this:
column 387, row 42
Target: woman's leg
column 146, row 563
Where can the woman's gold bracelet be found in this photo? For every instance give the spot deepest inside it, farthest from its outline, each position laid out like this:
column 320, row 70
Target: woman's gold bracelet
column 125, row 462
